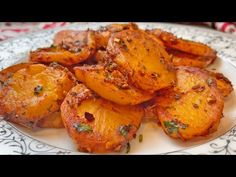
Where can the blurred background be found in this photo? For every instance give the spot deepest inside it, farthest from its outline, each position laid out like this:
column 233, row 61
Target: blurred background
column 13, row 29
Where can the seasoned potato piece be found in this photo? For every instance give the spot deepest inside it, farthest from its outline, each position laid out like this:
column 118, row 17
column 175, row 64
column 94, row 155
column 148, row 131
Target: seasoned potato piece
column 119, row 27
column 179, row 58
column 141, row 58
column 56, row 54
column 52, row 121
column 191, row 47
column 8, row 72
column 34, row 92
column 102, row 38
column 104, row 33
column 111, row 85
column 223, row 83
column 101, row 56
column 70, row 47
column 193, row 108
column 75, row 41
column 97, row 125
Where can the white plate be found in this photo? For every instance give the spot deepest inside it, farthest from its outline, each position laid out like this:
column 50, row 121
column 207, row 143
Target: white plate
column 17, row 140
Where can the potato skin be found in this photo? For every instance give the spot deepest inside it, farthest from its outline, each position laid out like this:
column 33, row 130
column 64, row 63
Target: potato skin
column 34, row 92
column 103, row 134
column 70, row 47
column 191, row 47
column 193, row 107
column 179, row 58
column 111, row 85
column 142, row 58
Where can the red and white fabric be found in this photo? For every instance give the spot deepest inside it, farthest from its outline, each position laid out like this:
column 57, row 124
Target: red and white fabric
column 13, row 29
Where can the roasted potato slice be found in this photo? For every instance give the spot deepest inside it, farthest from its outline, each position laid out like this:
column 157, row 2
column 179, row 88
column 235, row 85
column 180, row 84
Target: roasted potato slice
column 70, row 47
column 179, row 58
column 192, row 108
column 191, row 47
column 111, row 85
column 141, row 58
column 97, row 125
column 7, row 73
column 223, row 83
column 34, row 92
column 120, row 27
column 102, row 38
column 104, row 33
column 101, row 56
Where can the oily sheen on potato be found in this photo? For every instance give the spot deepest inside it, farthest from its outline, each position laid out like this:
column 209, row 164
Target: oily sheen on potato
column 97, row 125
column 193, row 107
column 33, row 93
column 142, row 58
column 111, row 85
column 70, row 47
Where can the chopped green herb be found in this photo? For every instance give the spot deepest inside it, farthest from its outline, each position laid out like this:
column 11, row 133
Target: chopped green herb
column 174, row 125
column 38, row 90
column 124, row 129
column 171, row 126
column 83, row 128
column 52, row 46
column 128, row 148
column 140, row 138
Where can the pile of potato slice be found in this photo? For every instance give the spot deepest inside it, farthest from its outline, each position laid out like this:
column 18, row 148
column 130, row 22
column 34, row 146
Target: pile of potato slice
column 101, row 85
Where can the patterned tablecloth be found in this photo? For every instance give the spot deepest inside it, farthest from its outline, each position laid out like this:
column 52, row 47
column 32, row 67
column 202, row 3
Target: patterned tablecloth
column 13, row 29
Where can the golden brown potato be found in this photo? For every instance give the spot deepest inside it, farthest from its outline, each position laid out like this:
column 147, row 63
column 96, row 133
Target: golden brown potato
column 34, row 92
column 223, row 83
column 70, row 47
column 97, row 125
column 8, row 72
column 179, row 58
column 141, row 58
column 111, row 85
column 193, row 108
column 104, row 33
column 120, row 27
column 75, row 41
column 101, row 56
column 102, row 38
column 191, row 47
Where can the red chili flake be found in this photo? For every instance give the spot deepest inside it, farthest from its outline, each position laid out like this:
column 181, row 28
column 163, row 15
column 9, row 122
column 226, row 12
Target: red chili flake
column 89, row 116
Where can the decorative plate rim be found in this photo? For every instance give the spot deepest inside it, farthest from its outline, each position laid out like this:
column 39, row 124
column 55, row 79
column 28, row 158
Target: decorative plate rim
column 22, row 143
